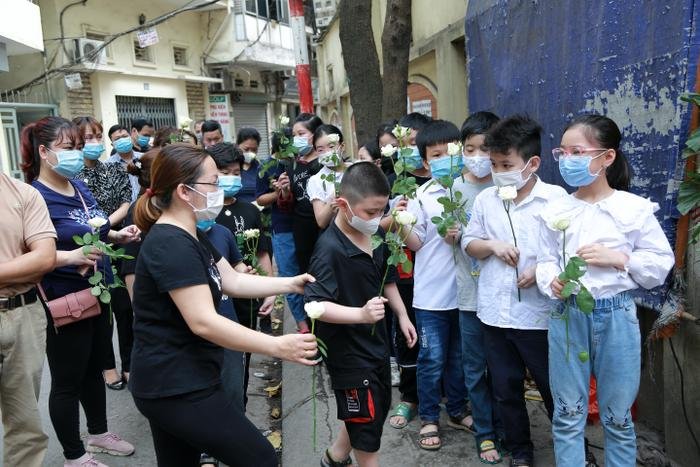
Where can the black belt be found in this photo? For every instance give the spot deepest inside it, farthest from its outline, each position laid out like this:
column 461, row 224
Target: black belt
column 10, row 303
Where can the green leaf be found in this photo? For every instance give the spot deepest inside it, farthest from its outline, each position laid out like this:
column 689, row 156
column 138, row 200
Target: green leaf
column 568, row 289
column 689, row 194
column 583, row 356
column 393, row 260
column 436, row 220
column 323, row 351
column 105, row 297
column 321, row 344
column 78, row 240
column 87, row 249
column 95, row 278
column 407, row 266
column 96, row 291
column 575, row 268
column 376, row 241
column 584, row 300
column 693, row 142
column 87, row 238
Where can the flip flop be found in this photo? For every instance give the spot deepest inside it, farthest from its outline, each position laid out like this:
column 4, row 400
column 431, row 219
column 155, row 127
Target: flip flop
column 456, row 422
column 487, row 445
column 427, row 435
column 404, row 410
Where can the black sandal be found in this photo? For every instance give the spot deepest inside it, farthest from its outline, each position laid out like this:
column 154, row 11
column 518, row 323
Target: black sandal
column 327, row 461
column 206, row 459
column 520, row 463
column 456, row 422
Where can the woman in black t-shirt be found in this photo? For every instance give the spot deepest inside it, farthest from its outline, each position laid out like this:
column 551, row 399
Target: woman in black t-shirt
column 178, row 335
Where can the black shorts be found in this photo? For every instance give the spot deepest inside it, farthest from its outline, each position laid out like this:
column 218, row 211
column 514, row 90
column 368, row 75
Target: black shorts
column 363, row 399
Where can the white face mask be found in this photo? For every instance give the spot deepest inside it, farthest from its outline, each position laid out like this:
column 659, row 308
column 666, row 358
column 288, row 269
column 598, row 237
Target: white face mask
column 363, row 226
column 329, row 159
column 215, row 202
column 479, row 165
column 249, row 157
column 514, row 177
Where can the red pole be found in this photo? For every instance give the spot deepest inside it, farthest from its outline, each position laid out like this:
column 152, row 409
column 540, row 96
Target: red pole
column 301, row 54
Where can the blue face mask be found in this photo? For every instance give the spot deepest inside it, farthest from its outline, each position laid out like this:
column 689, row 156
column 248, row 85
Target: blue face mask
column 93, row 151
column 448, row 166
column 70, row 162
column 205, row 225
column 576, row 170
column 123, row 145
column 231, row 184
column 302, row 144
column 414, row 161
column 143, row 141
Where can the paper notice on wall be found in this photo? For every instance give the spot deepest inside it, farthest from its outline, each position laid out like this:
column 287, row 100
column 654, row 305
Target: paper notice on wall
column 220, row 111
column 146, row 37
column 424, row 107
column 73, row 81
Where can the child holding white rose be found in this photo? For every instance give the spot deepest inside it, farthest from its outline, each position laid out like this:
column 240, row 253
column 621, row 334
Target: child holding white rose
column 502, row 233
column 348, row 301
column 624, row 247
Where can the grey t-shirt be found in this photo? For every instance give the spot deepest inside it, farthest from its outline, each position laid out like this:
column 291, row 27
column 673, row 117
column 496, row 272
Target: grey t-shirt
column 468, row 267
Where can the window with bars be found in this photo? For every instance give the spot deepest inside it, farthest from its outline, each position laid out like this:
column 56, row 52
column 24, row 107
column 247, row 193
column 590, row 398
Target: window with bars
column 158, row 110
column 180, row 56
column 143, row 54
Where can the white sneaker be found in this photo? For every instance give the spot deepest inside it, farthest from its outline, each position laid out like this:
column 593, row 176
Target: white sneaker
column 85, row 461
column 109, row 443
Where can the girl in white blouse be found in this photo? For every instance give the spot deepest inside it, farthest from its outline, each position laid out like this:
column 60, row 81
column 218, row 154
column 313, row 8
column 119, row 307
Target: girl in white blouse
column 624, row 247
column 328, row 144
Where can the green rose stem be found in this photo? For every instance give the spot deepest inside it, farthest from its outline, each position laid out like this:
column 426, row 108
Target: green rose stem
column 566, row 301
column 506, row 206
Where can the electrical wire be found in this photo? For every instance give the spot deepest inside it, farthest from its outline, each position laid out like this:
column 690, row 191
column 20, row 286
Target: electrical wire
column 685, row 412
column 71, row 66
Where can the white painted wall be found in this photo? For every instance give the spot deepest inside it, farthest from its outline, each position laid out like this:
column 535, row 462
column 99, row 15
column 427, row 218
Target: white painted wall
column 20, row 27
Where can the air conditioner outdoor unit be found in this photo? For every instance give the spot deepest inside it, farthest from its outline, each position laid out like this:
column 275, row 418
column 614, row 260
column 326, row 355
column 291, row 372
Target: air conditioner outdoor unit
column 88, row 51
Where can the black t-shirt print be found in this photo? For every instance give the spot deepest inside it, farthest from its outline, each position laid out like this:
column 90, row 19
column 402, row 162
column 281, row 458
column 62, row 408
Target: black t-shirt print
column 168, row 358
column 299, row 177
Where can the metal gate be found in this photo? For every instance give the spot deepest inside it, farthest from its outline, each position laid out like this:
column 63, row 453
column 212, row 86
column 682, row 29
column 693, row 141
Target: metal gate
column 253, row 116
column 158, row 110
column 11, row 128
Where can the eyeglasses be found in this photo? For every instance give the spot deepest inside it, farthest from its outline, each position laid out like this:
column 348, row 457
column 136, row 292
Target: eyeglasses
column 574, row 151
column 205, row 183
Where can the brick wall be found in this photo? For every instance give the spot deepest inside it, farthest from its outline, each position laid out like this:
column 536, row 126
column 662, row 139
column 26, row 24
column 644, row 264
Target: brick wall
column 195, row 100
column 80, row 100
column 418, row 92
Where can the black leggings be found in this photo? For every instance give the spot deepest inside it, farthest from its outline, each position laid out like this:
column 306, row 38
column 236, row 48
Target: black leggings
column 306, row 232
column 186, row 425
column 75, row 353
column 124, row 316
column 249, row 319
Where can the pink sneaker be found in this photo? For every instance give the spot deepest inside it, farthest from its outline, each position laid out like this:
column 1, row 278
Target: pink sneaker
column 109, row 443
column 85, row 461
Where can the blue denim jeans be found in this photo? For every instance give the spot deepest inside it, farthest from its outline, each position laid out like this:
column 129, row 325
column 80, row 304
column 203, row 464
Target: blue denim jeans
column 285, row 257
column 611, row 339
column 475, row 377
column 439, row 360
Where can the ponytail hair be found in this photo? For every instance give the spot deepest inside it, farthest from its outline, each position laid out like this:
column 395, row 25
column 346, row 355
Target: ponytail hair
column 605, row 132
column 310, row 121
column 45, row 132
column 174, row 164
column 141, row 168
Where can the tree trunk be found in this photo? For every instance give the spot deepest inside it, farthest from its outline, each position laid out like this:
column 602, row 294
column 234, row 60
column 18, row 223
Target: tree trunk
column 396, row 45
column 361, row 66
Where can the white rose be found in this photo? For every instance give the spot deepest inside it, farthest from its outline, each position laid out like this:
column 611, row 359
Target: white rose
column 284, row 120
column 314, row 310
column 185, row 123
column 388, row 150
column 404, row 218
column 97, row 222
column 508, row 193
column 454, row 149
column 333, row 138
column 561, row 224
column 400, row 131
column 251, row 233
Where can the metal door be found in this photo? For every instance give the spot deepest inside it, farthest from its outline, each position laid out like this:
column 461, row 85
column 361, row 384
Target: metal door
column 10, row 126
column 158, row 110
column 255, row 116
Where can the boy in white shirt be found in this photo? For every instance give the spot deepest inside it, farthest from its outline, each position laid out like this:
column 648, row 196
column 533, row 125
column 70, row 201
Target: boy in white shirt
column 503, row 233
column 435, row 288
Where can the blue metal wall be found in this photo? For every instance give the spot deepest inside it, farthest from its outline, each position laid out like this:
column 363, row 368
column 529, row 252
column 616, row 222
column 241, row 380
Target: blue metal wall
column 629, row 60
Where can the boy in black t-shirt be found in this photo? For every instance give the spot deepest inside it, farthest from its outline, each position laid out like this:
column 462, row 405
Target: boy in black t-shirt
column 348, row 276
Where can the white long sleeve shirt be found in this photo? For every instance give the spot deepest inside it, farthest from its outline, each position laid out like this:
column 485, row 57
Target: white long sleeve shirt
column 497, row 296
column 622, row 222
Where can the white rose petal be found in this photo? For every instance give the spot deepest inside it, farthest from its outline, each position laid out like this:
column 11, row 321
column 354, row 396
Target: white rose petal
column 508, row 193
column 333, row 138
column 284, row 120
column 251, row 233
column 97, row 222
column 561, row 224
column 400, row 131
column 185, row 123
column 314, row 310
column 388, row 150
column 404, row 218
column 454, row 149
